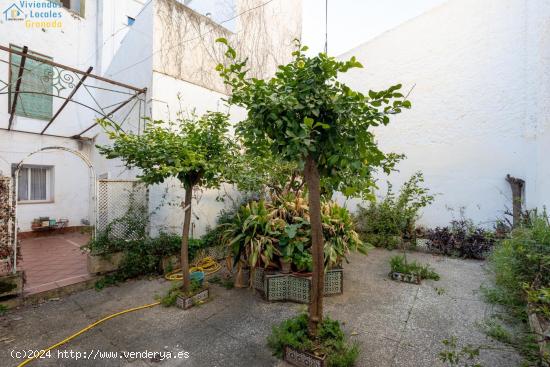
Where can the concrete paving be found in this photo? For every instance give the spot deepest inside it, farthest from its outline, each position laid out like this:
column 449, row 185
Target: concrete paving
column 396, row 324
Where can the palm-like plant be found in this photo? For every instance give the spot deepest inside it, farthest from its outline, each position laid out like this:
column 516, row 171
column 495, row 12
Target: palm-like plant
column 339, row 233
column 263, row 231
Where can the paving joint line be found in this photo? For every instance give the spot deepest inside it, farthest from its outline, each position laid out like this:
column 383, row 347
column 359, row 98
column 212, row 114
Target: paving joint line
column 409, row 312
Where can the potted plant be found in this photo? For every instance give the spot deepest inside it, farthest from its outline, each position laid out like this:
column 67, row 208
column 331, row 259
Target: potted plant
column 291, row 341
column 242, row 276
column 198, row 293
column 410, row 272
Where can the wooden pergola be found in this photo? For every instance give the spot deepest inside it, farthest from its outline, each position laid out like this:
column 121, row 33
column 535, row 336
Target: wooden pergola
column 70, row 80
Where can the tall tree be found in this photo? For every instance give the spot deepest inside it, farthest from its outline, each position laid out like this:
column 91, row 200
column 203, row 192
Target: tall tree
column 193, row 150
column 305, row 115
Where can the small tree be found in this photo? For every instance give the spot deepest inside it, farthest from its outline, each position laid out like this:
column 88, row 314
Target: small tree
column 194, row 151
column 305, row 115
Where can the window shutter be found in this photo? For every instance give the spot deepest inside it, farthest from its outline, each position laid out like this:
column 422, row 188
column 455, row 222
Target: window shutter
column 37, row 78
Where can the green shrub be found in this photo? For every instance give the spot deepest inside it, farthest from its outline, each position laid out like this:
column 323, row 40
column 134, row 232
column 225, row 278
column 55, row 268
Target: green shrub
column 387, row 222
column 144, row 256
column 331, row 340
column 520, row 264
column 400, row 264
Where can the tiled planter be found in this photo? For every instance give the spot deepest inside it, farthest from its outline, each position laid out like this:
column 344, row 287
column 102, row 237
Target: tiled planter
column 100, row 264
column 406, row 278
column 188, row 302
column 296, row 288
column 302, row 359
column 541, row 328
column 11, row 285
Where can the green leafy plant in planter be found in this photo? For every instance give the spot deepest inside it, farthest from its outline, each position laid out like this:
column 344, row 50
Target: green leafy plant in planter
column 294, row 240
column 400, row 264
column 252, row 235
column 388, row 222
column 339, row 233
column 264, row 231
column 331, row 341
column 171, row 296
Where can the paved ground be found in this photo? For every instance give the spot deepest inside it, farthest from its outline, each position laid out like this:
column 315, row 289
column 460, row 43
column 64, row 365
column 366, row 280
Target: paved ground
column 396, row 324
column 53, row 261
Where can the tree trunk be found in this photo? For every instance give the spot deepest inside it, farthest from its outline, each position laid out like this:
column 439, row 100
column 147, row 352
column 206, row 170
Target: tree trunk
column 311, row 175
column 185, row 237
column 518, row 186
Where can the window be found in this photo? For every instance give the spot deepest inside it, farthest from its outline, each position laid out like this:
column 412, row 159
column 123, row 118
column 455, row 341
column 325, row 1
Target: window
column 131, row 20
column 35, row 98
column 35, row 184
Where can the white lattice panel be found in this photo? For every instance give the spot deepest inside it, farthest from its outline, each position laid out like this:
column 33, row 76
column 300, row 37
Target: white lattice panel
column 120, row 202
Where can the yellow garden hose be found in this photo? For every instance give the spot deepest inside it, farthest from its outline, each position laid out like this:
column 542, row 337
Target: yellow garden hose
column 66, row 340
column 207, row 265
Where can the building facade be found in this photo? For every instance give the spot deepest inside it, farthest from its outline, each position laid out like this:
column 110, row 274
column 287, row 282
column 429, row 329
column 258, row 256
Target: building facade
column 164, row 46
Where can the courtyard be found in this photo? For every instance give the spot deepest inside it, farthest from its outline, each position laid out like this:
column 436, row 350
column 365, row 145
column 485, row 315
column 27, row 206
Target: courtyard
column 395, row 324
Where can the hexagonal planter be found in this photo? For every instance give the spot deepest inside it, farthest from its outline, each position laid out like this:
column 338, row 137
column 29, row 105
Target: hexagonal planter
column 186, row 302
column 302, row 359
column 276, row 286
column 12, row 284
column 405, row 278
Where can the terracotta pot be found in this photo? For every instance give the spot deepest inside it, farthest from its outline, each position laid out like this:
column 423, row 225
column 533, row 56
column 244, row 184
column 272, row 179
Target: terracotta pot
column 242, row 277
column 285, row 266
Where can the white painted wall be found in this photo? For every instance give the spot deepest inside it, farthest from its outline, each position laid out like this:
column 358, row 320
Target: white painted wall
column 165, row 199
column 480, row 106
column 71, row 193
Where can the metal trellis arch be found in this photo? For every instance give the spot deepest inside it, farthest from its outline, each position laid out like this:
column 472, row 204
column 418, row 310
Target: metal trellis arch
column 93, row 190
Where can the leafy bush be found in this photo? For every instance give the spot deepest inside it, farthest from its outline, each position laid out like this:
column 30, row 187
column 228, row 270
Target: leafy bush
column 399, row 264
column 141, row 257
column 387, row 222
column 522, row 261
column 331, row 340
column 461, row 239
column 521, row 267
